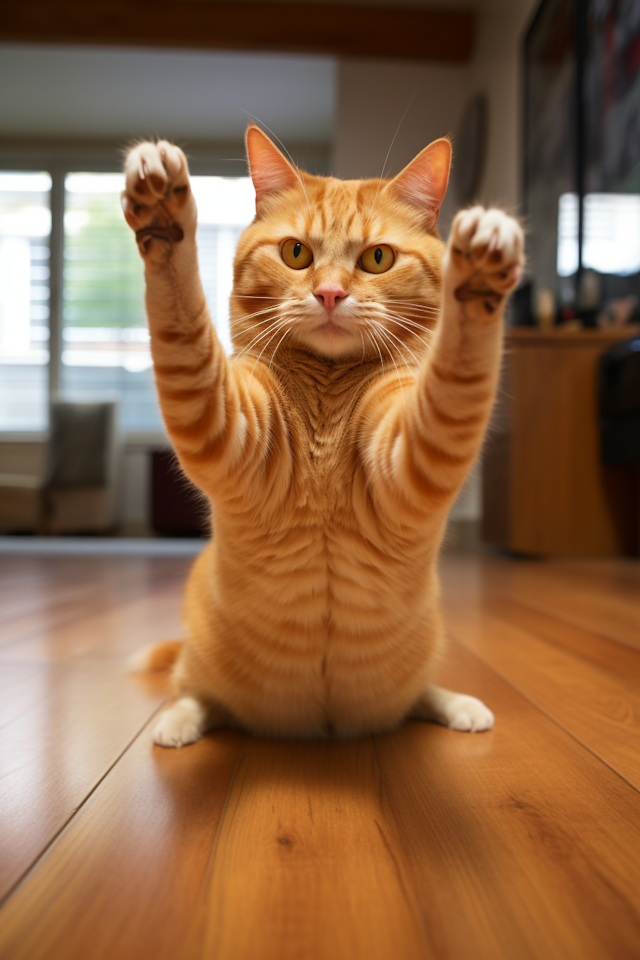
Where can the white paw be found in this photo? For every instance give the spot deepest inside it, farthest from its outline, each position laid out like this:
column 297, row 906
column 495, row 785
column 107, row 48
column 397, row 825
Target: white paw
column 485, row 254
column 467, row 713
column 157, row 200
column 181, row 723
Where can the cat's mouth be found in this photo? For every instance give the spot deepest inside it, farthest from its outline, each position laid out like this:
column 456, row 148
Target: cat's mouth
column 331, row 335
column 331, row 328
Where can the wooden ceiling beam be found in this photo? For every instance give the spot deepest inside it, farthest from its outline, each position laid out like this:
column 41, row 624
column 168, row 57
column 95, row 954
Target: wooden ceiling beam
column 268, row 27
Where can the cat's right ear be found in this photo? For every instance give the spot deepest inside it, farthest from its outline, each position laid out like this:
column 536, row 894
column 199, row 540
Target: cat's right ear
column 270, row 171
column 423, row 183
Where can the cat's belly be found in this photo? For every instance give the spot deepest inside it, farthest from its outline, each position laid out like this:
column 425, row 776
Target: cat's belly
column 312, row 630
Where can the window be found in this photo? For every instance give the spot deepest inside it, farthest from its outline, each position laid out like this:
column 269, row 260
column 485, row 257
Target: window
column 103, row 343
column 25, row 227
column 611, row 234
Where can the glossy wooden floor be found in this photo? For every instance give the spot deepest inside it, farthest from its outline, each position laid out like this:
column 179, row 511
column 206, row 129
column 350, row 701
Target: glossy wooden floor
column 426, row 843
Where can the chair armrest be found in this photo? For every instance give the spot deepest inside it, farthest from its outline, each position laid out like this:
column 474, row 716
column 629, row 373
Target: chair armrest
column 21, row 480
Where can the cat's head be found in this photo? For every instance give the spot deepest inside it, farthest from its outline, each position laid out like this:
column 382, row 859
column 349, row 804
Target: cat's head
column 342, row 268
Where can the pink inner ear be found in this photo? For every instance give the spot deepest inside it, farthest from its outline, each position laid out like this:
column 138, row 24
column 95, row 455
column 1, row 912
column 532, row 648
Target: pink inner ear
column 416, row 187
column 423, row 183
column 270, row 171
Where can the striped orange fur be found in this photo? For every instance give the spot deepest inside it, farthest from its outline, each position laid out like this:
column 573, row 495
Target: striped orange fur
column 333, row 442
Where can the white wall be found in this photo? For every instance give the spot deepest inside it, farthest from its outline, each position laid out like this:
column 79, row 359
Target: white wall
column 372, row 97
column 496, row 71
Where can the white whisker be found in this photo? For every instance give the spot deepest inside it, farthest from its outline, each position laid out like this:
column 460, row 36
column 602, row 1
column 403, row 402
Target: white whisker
column 256, row 340
column 385, row 344
column 275, row 334
column 374, row 341
column 403, row 346
column 250, row 316
column 418, row 328
column 288, row 330
column 415, row 329
column 235, row 323
column 408, row 303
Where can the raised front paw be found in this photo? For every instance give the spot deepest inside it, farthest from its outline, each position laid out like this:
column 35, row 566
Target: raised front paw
column 485, row 256
column 157, row 200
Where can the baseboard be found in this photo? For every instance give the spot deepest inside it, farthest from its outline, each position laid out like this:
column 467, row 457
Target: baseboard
column 101, row 546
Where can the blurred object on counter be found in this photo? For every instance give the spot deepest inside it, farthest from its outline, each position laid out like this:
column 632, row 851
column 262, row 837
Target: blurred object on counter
column 545, row 310
column 520, row 313
column 589, row 301
column 619, row 312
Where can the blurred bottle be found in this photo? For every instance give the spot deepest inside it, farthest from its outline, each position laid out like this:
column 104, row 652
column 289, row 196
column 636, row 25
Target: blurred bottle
column 545, row 308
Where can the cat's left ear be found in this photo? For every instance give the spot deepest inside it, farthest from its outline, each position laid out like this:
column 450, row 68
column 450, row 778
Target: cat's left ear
column 270, row 171
column 423, row 182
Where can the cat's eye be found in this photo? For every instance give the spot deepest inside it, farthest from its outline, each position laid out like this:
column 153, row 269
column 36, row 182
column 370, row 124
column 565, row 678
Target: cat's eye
column 296, row 255
column 377, row 259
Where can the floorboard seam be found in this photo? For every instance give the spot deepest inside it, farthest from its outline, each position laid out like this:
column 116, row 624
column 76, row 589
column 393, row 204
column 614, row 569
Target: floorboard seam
column 194, row 937
column 403, row 871
column 554, row 645
column 544, row 713
column 33, row 865
column 573, row 623
column 72, row 619
column 487, row 606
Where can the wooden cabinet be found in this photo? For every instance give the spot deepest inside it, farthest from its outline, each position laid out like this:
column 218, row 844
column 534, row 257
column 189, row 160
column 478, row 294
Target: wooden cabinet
column 544, row 488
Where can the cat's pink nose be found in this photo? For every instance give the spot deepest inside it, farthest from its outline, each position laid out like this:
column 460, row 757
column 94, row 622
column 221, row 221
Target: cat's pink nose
column 329, row 295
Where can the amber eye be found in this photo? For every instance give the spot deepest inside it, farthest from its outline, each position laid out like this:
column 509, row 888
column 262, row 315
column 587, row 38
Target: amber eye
column 377, row 259
column 296, row 255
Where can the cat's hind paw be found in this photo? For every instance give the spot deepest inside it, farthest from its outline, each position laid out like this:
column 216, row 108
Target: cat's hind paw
column 180, row 723
column 485, row 256
column 458, row 711
column 468, row 714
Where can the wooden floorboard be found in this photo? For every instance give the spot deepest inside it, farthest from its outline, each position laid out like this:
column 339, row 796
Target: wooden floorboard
column 609, row 656
column 124, row 879
column 594, row 595
column 54, row 593
column 519, row 843
column 106, row 609
column 601, row 711
column 425, row 843
column 61, row 729
column 117, row 630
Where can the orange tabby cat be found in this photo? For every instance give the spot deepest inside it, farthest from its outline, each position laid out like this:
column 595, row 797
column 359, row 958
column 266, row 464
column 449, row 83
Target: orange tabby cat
column 331, row 445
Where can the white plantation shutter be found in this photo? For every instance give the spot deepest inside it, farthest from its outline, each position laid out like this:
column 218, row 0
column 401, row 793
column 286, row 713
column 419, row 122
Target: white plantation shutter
column 25, row 227
column 105, row 340
column 105, row 344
